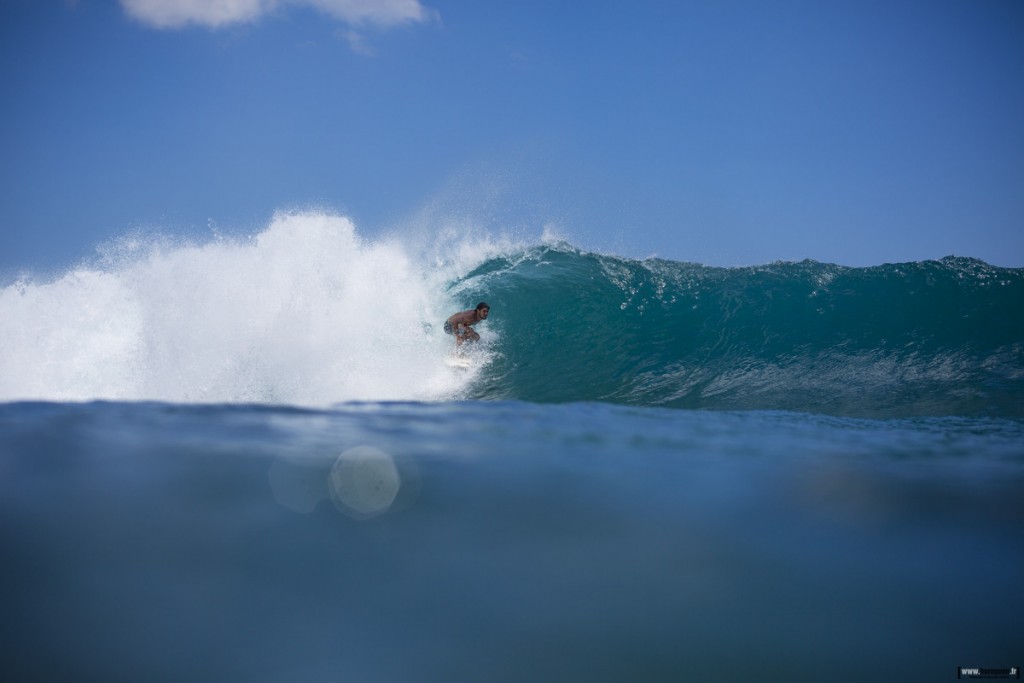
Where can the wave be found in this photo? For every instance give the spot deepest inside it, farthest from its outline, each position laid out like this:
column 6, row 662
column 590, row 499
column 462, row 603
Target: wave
column 307, row 312
column 929, row 338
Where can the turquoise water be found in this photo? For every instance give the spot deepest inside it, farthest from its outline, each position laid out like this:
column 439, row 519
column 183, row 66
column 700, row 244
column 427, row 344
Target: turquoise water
column 212, row 467
column 931, row 338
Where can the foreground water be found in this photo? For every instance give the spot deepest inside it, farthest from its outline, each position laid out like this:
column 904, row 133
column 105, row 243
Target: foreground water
column 504, row 541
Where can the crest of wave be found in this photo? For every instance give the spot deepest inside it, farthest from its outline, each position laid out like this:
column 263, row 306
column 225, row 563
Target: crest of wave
column 305, row 312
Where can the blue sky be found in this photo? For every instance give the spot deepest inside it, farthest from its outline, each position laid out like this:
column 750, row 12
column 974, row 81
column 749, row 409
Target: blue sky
column 725, row 132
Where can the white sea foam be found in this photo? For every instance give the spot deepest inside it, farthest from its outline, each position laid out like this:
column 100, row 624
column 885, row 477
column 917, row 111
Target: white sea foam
column 306, row 312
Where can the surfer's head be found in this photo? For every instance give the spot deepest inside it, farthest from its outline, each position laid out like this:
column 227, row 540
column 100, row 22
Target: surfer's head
column 482, row 309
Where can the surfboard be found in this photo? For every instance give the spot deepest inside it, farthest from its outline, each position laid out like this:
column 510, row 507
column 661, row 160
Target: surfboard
column 458, row 362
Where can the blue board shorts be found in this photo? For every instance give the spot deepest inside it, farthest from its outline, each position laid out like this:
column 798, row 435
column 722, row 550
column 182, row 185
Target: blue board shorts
column 448, row 328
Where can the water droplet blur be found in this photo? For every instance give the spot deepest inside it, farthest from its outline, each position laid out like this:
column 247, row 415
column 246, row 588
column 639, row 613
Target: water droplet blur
column 364, row 482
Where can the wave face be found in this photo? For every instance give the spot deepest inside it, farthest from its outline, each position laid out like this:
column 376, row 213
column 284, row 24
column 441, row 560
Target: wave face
column 930, row 338
column 309, row 313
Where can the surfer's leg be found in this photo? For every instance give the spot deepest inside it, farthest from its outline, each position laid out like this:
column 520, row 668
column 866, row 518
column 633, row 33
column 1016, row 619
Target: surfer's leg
column 468, row 334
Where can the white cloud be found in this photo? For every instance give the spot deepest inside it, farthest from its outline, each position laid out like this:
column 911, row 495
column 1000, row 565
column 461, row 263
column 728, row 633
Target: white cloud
column 210, row 13
column 356, row 42
column 378, row 12
column 219, row 13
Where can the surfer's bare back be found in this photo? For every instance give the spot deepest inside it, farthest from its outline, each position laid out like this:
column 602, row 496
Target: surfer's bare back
column 460, row 324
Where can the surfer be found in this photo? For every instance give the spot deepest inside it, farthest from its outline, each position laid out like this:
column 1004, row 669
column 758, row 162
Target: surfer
column 459, row 324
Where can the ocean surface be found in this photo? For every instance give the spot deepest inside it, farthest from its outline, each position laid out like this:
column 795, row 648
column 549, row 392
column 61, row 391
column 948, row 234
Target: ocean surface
column 246, row 460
